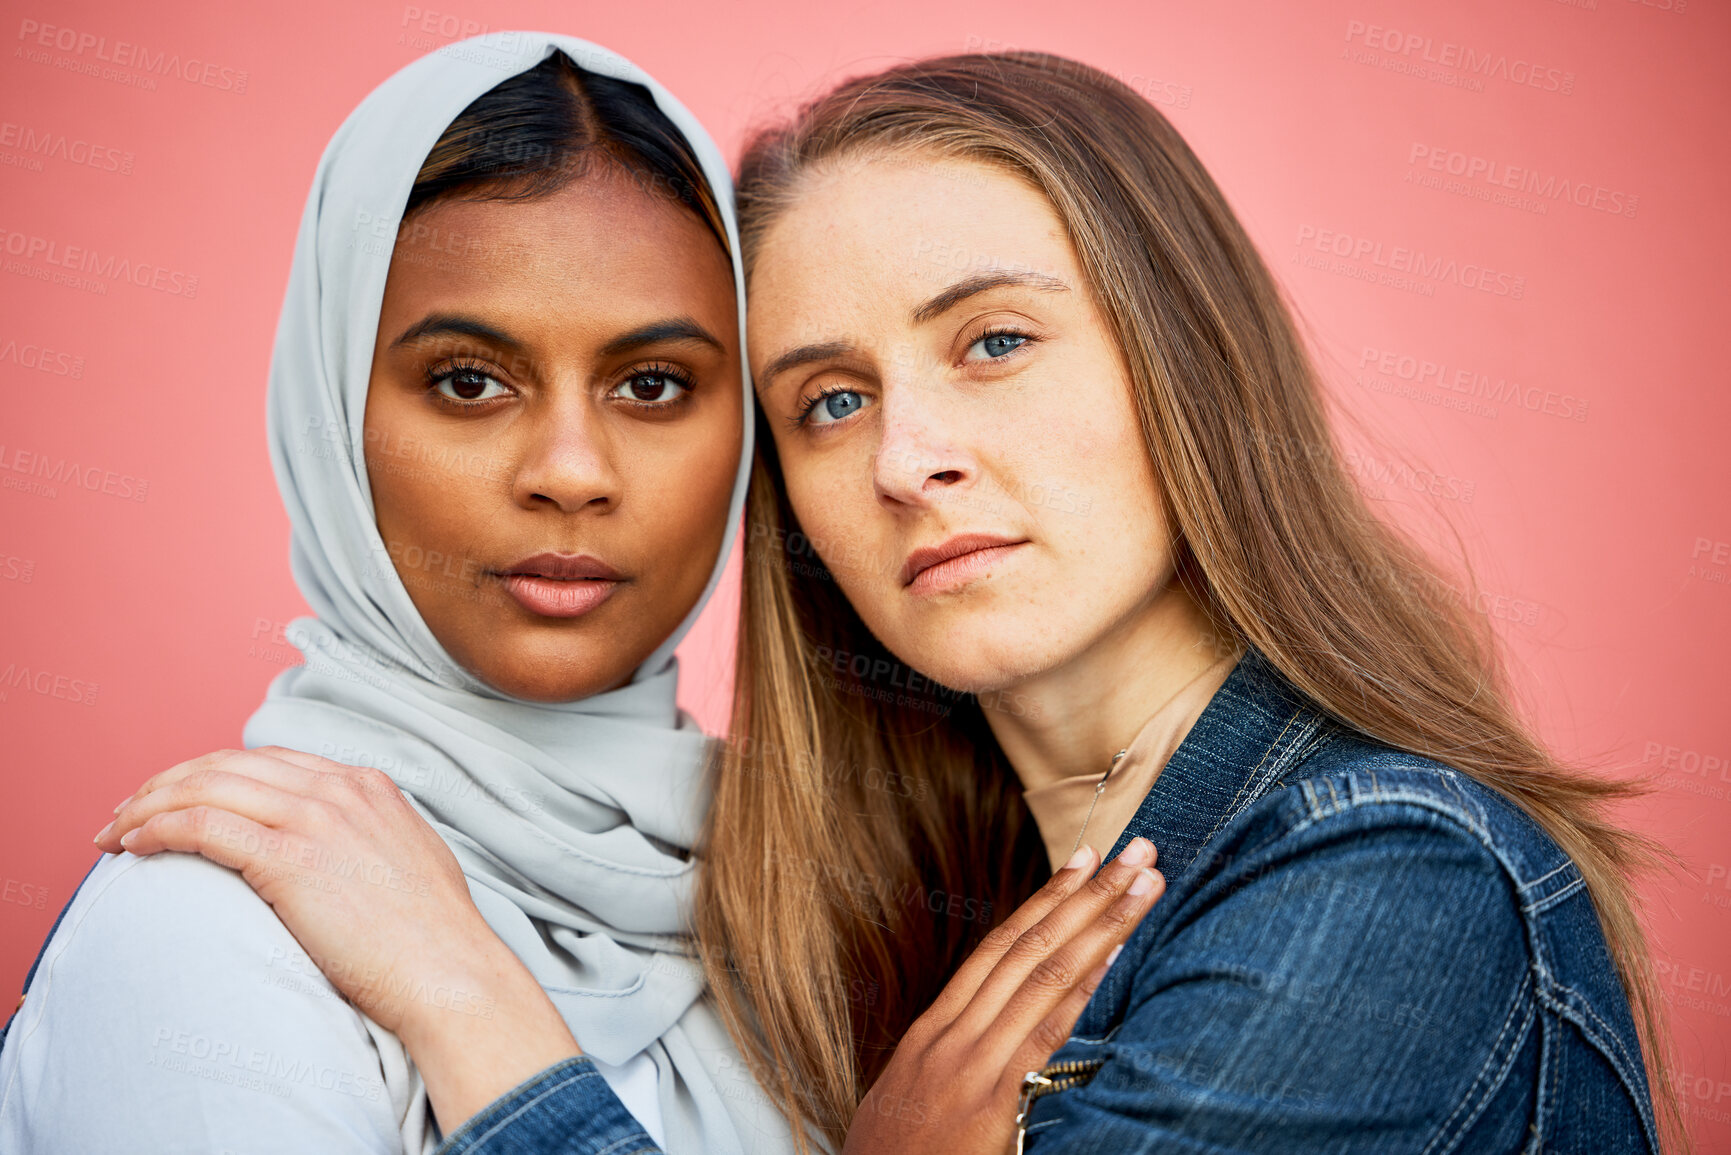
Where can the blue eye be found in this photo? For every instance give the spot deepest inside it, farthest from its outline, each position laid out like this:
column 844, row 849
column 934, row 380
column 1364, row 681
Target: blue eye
column 832, row 407
column 996, row 345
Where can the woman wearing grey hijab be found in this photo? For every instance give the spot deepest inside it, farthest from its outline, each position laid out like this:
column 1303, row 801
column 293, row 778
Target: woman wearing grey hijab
column 510, row 419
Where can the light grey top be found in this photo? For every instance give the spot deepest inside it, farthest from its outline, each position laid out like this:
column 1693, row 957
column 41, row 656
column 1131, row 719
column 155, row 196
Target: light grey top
column 173, row 1011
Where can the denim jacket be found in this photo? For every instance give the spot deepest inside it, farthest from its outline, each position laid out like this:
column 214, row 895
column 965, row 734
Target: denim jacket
column 1358, row 950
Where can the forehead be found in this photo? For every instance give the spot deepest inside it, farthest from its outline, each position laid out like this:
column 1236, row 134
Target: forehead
column 870, row 228
column 607, row 238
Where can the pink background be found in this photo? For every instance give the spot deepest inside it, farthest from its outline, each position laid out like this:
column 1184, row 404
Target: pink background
column 1563, row 414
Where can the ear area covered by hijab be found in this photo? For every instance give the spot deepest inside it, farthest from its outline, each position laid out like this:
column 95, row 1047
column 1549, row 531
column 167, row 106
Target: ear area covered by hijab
column 573, row 821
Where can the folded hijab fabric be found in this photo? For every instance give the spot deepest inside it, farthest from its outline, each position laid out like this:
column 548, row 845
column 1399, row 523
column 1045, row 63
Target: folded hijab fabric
column 572, row 821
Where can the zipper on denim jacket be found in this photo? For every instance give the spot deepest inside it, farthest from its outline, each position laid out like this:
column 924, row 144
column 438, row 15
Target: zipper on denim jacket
column 1047, row 1080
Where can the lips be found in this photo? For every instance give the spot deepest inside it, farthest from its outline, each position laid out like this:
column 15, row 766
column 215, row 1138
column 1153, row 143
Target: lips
column 564, row 567
column 556, row 585
column 955, row 562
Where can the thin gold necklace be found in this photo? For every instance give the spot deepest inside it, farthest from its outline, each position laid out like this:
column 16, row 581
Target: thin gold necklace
column 1098, row 790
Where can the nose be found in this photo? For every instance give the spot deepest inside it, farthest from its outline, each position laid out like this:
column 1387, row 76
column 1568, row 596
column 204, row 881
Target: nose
column 568, row 461
column 917, row 460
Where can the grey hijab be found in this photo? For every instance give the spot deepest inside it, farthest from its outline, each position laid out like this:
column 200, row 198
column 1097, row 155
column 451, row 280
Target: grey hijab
column 573, row 822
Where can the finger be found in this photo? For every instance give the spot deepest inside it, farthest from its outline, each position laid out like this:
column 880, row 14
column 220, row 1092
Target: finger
column 312, row 762
column 178, row 771
column 329, row 774
column 1036, row 1048
column 269, row 796
column 225, row 838
column 260, row 761
column 1041, row 941
column 263, row 856
column 232, row 761
column 960, row 990
column 1033, row 1016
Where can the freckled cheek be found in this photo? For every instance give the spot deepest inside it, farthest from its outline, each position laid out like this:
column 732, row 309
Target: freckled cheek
column 840, row 522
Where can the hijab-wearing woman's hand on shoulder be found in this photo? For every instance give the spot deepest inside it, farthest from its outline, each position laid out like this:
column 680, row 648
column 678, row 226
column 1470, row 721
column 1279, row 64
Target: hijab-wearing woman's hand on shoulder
column 954, row 1083
column 375, row 897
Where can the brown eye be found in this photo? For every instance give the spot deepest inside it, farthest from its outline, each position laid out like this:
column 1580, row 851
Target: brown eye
column 469, row 385
column 651, row 388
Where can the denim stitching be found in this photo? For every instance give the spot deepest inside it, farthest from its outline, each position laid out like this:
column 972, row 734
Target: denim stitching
column 478, row 1141
column 1233, row 808
column 1551, row 900
column 1471, row 1092
column 1502, row 1076
column 473, row 1143
column 1423, row 801
column 1606, row 1040
column 1546, row 1084
column 1564, row 866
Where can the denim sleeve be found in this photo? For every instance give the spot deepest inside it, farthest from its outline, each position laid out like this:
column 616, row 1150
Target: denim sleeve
column 1355, row 982
column 568, row 1109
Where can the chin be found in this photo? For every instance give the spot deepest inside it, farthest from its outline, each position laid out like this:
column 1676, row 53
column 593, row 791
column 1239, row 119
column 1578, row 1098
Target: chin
column 557, row 677
column 980, row 657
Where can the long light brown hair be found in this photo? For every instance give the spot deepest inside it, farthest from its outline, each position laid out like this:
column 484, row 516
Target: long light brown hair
column 859, row 810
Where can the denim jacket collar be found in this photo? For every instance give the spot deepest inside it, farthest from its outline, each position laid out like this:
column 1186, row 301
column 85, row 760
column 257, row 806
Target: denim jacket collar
column 1254, row 729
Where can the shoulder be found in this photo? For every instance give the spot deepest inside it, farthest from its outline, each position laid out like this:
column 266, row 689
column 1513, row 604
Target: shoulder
column 1372, row 912
column 171, row 1002
column 1350, row 787
column 137, row 922
column 1363, row 868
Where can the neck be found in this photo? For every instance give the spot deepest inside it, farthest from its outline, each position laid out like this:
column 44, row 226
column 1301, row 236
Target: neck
column 1083, row 712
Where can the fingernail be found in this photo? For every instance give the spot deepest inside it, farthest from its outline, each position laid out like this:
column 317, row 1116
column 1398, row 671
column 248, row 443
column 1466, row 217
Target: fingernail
column 1113, row 957
column 1143, row 883
column 126, row 840
column 1138, row 852
column 103, row 833
column 1078, row 860
column 123, row 803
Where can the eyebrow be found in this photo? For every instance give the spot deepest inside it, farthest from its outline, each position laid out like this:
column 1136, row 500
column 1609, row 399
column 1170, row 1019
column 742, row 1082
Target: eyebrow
column 803, row 355
column 454, row 325
column 982, row 282
column 661, row 332
column 654, row 333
